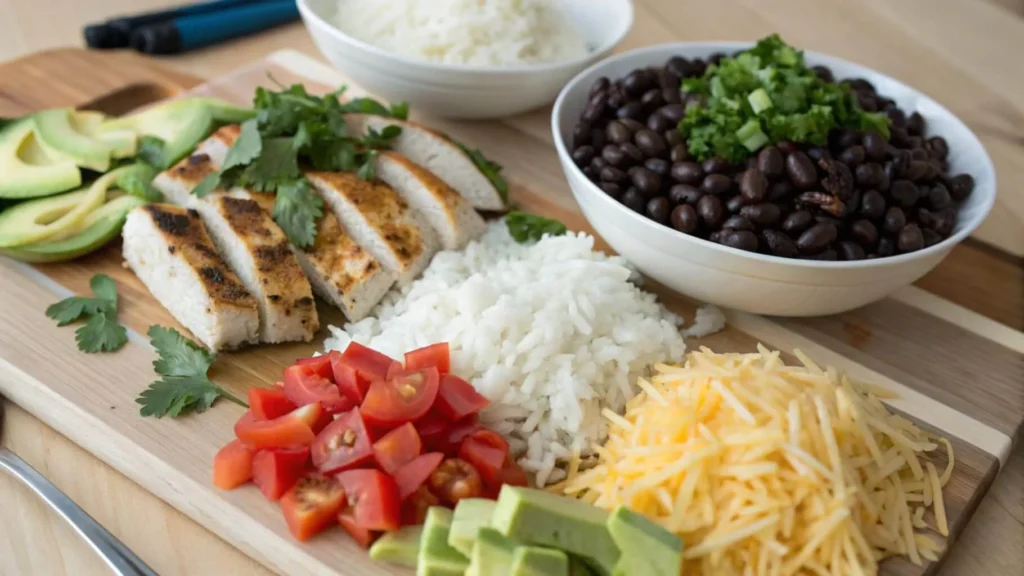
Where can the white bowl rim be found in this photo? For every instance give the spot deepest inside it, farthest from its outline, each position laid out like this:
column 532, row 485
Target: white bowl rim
column 475, row 69
column 939, row 247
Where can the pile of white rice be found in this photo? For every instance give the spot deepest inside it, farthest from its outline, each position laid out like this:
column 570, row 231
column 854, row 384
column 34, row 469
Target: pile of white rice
column 468, row 32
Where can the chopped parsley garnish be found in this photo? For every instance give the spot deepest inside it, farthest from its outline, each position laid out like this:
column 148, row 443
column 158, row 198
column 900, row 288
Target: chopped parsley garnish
column 151, row 151
column 293, row 130
column 183, row 386
column 139, row 183
column 101, row 331
column 764, row 95
column 525, row 227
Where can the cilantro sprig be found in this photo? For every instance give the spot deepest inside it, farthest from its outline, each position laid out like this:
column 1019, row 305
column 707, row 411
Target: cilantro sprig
column 101, row 331
column 293, row 130
column 184, row 386
column 525, row 227
column 492, row 170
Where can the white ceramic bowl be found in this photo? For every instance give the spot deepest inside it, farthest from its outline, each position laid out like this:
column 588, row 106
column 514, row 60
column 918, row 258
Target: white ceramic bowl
column 467, row 92
column 754, row 282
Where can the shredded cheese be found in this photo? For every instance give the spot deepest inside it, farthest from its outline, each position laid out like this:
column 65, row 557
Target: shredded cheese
column 763, row 468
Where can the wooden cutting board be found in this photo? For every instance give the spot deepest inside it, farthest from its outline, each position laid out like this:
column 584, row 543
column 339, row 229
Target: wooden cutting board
column 943, row 345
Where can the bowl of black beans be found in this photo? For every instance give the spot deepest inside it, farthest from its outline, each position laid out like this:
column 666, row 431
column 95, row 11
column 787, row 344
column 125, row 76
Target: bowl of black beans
column 768, row 179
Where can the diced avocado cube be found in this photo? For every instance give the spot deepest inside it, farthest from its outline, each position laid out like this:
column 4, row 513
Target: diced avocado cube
column 642, row 540
column 538, row 517
column 470, row 516
column 436, row 557
column 402, row 547
column 492, row 554
column 578, row 567
column 536, row 561
column 631, row 565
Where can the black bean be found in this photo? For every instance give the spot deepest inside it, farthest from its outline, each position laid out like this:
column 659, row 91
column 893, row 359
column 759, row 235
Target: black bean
column 853, row 156
column 667, row 79
column 716, row 236
column 846, row 138
column 615, row 97
column 633, row 154
column 944, row 221
column 939, row 197
column 650, row 142
column 636, row 82
column 738, row 223
column 766, row 214
column 797, row 222
column 632, row 109
column 817, row 238
column 710, row 210
column 919, row 154
column 598, row 139
column 961, row 186
column 680, row 153
column 914, row 142
column 600, row 85
column 658, row 209
column 716, row 165
column 937, row 147
column 850, row 251
column 779, row 243
column 780, row 191
column 633, row 200
column 617, row 133
column 612, row 174
column 884, row 182
column 595, row 107
column 753, row 185
column 591, row 172
column 801, row 170
column 931, row 237
column 671, row 95
column 829, row 255
column 915, row 124
column 735, row 203
column 869, row 175
column 583, row 155
column 864, row 232
column 675, row 138
column 895, row 220
column 867, row 102
column 896, row 116
column 874, row 145
column 924, row 217
column 687, row 172
column 886, row 247
column 904, row 192
column 632, row 124
column 933, row 170
column 818, row 153
column 646, row 181
column 674, row 112
column 684, row 219
column 750, row 162
column 658, row 123
column 613, row 155
column 580, row 134
column 824, row 73
column 910, row 239
column 659, row 166
column 679, row 66
column 684, row 194
column 652, row 99
column 786, row 147
column 771, row 163
column 613, row 190
column 740, row 239
column 716, row 184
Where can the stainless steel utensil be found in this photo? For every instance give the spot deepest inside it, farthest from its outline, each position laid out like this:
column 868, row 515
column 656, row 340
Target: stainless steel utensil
column 116, row 555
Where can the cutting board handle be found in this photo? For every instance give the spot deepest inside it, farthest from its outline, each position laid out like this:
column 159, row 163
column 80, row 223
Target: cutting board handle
column 110, row 81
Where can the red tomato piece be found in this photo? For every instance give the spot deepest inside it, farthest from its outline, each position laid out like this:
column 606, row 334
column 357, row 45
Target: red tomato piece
column 366, row 360
column 492, row 439
column 293, row 429
column 414, row 509
column 232, row 466
column 455, row 480
column 487, row 459
column 352, row 383
column 361, row 535
column 343, row 444
column 304, row 386
column 513, row 474
column 373, row 497
column 311, row 505
column 457, row 398
column 319, row 364
column 450, row 438
column 276, row 471
column 269, row 403
column 435, row 355
column 397, row 447
column 410, row 477
column 404, row 398
column 278, row 384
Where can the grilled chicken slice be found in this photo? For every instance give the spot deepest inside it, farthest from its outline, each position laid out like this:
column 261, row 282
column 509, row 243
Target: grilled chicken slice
column 339, row 269
column 169, row 250
column 380, row 220
column 254, row 247
column 433, row 151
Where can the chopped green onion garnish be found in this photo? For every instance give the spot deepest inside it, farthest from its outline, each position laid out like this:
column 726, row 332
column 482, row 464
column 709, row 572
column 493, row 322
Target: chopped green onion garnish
column 759, row 100
column 751, row 135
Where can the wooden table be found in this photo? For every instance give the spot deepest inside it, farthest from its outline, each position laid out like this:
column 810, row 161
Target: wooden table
column 924, row 42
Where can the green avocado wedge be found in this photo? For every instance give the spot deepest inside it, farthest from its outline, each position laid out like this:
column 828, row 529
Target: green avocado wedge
column 28, row 170
column 226, row 112
column 58, row 133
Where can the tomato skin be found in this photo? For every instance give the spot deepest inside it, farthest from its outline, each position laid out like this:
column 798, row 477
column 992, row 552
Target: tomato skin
column 319, row 364
column 361, row 535
column 275, row 471
column 311, row 505
column 404, row 398
column 454, row 480
column 513, row 474
column 450, row 438
column 373, row 497
column 351, row 383
column 414, row 508
column 397, row 448
column 436, row 355
column 343, row 444
column 292, row 429
column 457, row 398
column 232, row 466
column 412, row 476
column 303, row 386
column 269, row 403
column 371, row 363
column 487, row 459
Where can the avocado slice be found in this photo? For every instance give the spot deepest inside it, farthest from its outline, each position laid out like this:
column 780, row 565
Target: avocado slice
column 436, row 557
column 226, row 112
column 30, row 171
column 123, row 143
column 172, row 129
column 57, row 133
column 546, row 519
column 471, row 514
column 535, row 561
column 99, row 227
column 645, row 543
column 578, row 567
column 492, row 554
column 402, row 547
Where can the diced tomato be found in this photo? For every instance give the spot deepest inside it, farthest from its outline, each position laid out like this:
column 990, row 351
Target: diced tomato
column 449, row 438
column 361, row 535
column 275, row 471
column 303, row 386
column 457, row 398
column 232, row 466
column 435, row 355
column 432, row 424
column 373, row 497
column 492, row 439
column 366, row 360
column 293, row 429
column 455, row 480
column 352, row 384
column 403, row 398
column 414, row 509
column 513, row 474
column 397, row 447
column 278, row 384
column 487, row 459
column 325, row 420
column 320, row 364
column 411, row 476
column 312, row 505
column 269, row 403
column 343, row 444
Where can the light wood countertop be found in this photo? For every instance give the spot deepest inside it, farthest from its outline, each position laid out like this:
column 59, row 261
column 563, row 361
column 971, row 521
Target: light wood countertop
column 955, row 50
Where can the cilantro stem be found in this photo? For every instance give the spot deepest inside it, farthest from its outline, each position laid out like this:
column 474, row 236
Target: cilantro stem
column 229, row 396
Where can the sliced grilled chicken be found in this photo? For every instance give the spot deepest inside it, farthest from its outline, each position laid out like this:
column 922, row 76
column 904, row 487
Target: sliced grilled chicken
column 433, row 151
column 169, row 250
column 380, row 220
column 254, row 247
column 340, row 270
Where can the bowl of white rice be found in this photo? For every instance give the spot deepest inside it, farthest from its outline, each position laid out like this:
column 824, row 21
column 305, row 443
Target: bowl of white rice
column 467, row 59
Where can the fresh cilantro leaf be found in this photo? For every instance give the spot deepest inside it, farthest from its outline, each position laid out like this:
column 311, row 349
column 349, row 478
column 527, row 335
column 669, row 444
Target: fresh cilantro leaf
column 277, row 164
column 368, row 171
column 178, row 356
column 400, row 110
column 371, row 106
column 246, row 148
column 525, row 227
column 207, row 185
column 151, row 151
column 71, row 309
column 492, row 170
column 101, row 333
column 296, row 210
column 104, row 289
column 303, row 137
column 140, row 187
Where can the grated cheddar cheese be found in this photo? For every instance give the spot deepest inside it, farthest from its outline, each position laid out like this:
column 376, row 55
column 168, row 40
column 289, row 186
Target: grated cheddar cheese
column 768, row 469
